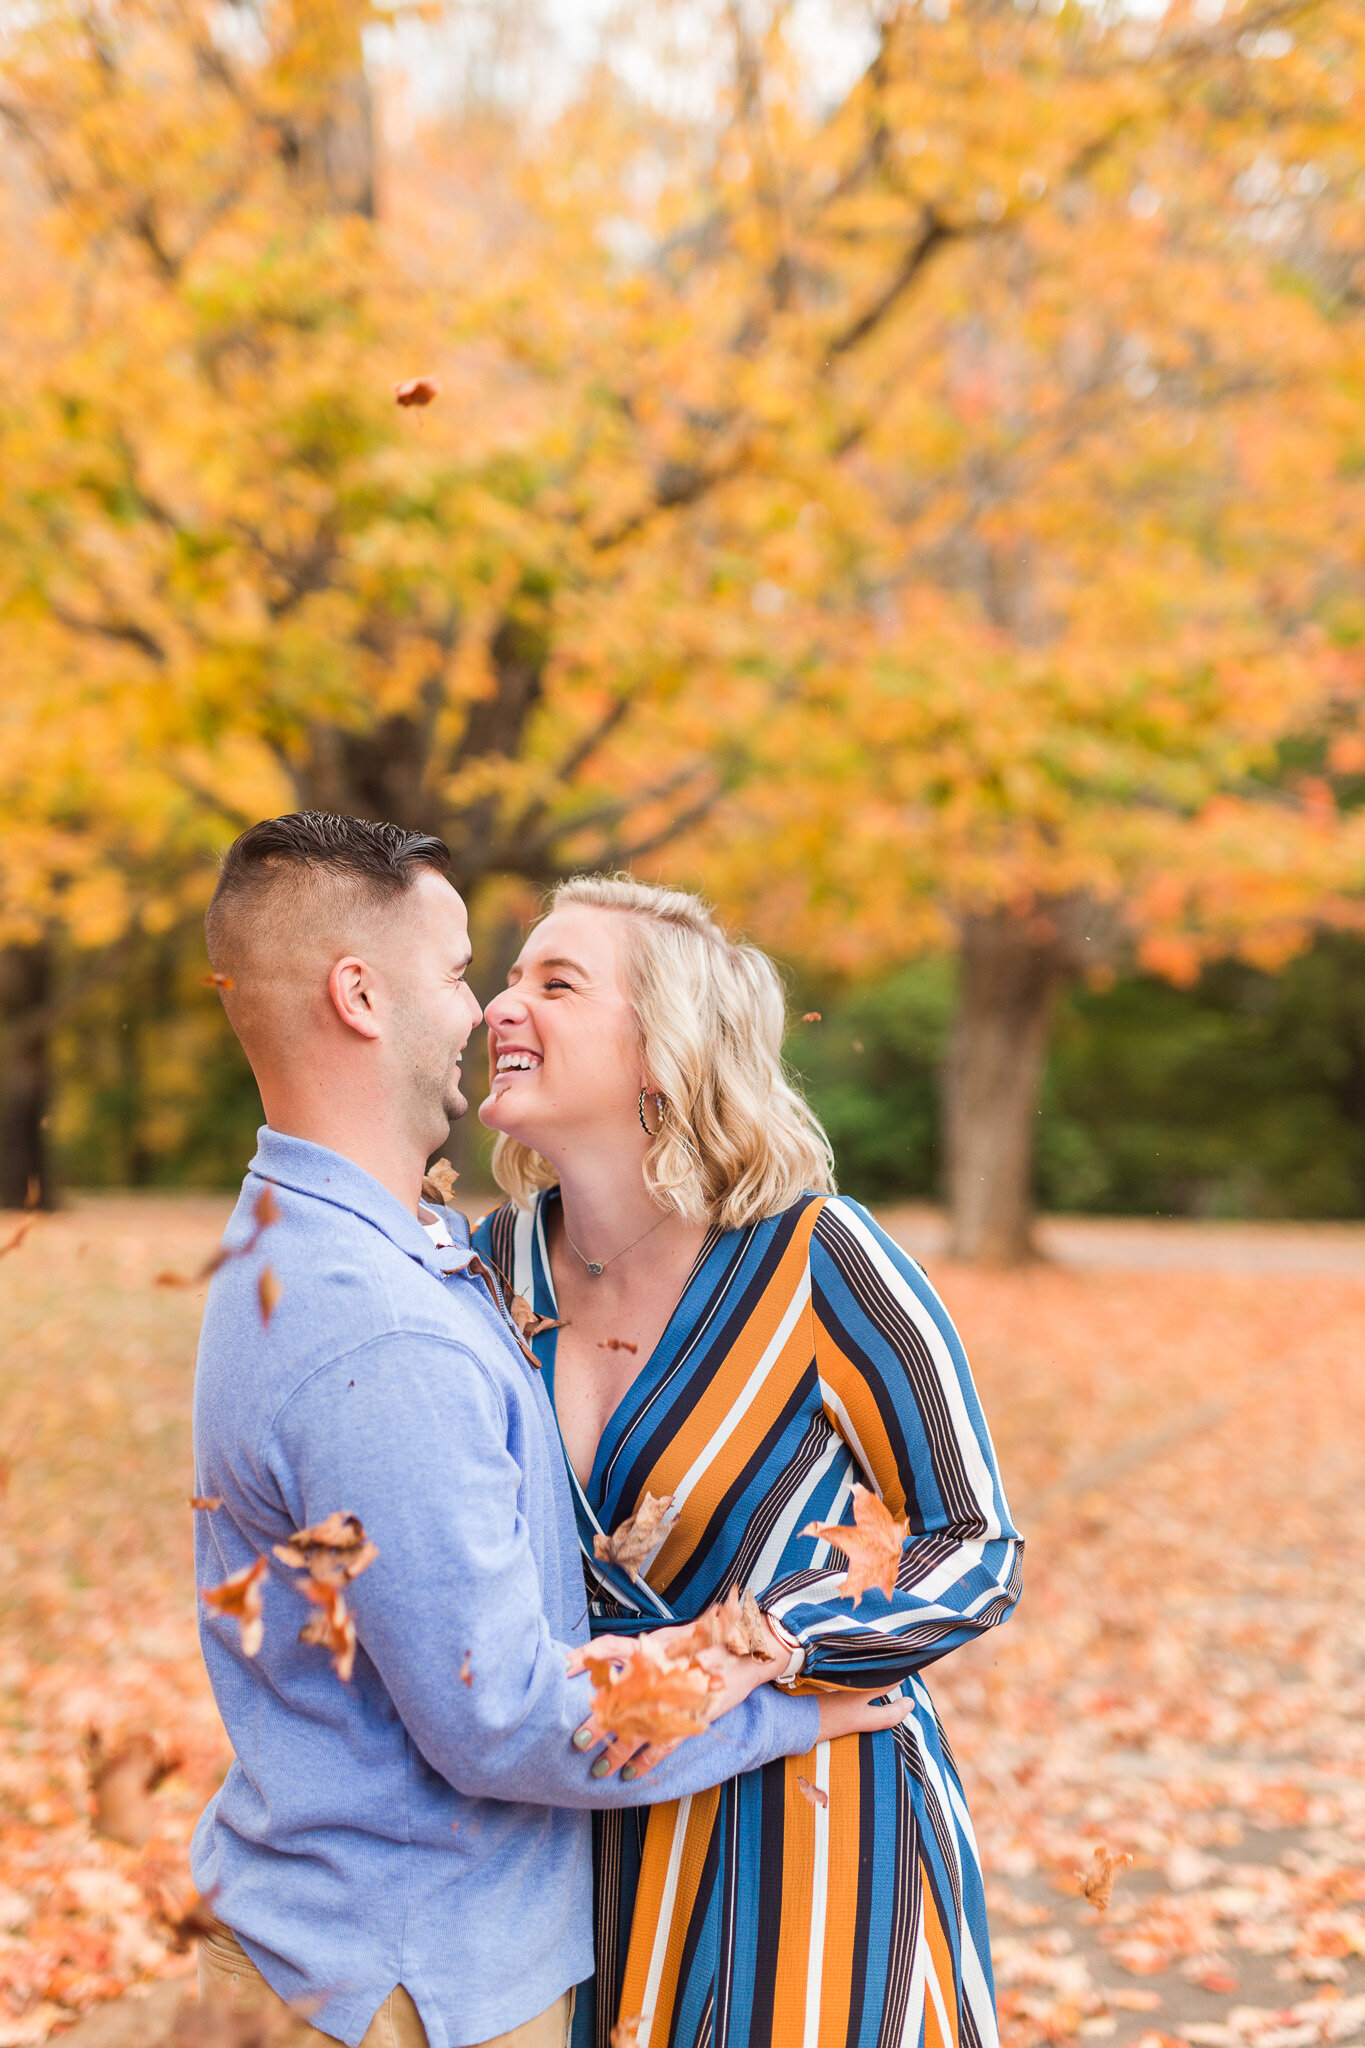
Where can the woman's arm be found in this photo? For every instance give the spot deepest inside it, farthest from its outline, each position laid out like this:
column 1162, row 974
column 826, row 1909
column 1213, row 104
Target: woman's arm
column 896, row 1386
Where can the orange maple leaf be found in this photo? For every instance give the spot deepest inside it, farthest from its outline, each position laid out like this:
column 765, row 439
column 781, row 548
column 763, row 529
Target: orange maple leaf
column 240, row 1596
column 268, row 1292
column 873, row 1546
column 631, row 1543
column 649, row 1696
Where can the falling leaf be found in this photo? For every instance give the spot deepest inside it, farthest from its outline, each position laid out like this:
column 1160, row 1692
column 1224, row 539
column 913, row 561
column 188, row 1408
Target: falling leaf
column 629, row 2033
column 815, row 1793
column 527, row 1321
column 416, row 390
column 13, row 1243
column 265, row 1209
column 617, row 1344
column 188, row 1920
column 268, row 1292
column 1097, row 1883
column 33, row 1191
column 216, row 981
column 873, row 1546
column 812, row 1017
column 241, row 1596
column 649, row 1696
column 122, row 1782
column 333, row 1551
column 467, row 1671
column 631, row 1544
column 207, row 1501
column 439, row 1183
column 333, row 1629
column 734, row 1624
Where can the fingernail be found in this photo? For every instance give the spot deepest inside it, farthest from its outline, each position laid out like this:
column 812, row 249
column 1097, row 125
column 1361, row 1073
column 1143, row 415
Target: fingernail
column 629, row 1773
column 600, row 1768
column 583, row 1739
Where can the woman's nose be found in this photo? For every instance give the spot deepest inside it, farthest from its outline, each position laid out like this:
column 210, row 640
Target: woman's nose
column 503, row 1011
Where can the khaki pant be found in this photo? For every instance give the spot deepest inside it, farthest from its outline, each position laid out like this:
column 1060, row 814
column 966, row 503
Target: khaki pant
column 227, row 1976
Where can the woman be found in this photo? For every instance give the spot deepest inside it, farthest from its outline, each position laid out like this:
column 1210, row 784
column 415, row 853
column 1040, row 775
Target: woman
column 734, row 1335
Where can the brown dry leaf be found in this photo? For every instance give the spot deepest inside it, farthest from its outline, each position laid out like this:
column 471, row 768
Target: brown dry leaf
column 1097, row 1883
column 815, row 1793
column 33, row 1191
column 650, row 1696
column 186, row 1920
column 332, row 1551
column 466, row 1671
column 734, row 1624
column 629, row 2033
column 872, row 1546
column 268, row 1292
column 812, row 1017
column 265, row 1209
column 631, row 1544
column 13, row 1243
column 333, row 1629
column 240, row 1596
column 206, row 1501
column 122, row 1782
column 617, row 1344
column 216, row 981
column 438, row 1184
column 528, row 1323
column 416, row 390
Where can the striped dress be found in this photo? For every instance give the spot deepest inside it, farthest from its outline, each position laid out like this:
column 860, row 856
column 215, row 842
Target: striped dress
column 805, row 1353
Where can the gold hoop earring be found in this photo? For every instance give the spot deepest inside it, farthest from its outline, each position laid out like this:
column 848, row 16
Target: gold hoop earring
column 659, row 1107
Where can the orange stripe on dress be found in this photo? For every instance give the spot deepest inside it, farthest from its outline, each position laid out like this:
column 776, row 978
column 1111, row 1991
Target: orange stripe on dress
column 841, row 1889
column 651, row 1902
column 798, row 1876
column 847, row 1382
column 939, row 1970
column 707, row 1418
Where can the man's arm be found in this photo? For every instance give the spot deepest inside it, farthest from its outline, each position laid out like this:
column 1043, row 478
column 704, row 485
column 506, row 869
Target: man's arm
column 411, row 1435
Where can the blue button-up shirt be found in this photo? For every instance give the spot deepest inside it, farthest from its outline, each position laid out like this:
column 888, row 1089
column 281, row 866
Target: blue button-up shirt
column 426, row 1824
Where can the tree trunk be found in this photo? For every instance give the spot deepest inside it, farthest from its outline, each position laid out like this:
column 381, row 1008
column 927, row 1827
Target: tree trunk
column 25, row 991
column 1012, row 969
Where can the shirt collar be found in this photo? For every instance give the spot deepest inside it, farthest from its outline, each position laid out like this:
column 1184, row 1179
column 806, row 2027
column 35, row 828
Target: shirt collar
column 328, row 1176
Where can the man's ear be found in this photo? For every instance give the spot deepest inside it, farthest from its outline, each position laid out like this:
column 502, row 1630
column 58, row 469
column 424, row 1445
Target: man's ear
column 351, row 986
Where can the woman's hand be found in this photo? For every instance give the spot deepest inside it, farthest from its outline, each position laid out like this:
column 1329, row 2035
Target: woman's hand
column 738, row 1677
column 856, row 1713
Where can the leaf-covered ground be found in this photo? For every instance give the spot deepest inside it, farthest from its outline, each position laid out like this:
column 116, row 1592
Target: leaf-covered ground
column 1184, row 1680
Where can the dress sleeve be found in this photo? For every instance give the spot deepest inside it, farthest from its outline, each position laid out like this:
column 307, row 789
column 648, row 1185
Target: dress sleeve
column 896, row 1387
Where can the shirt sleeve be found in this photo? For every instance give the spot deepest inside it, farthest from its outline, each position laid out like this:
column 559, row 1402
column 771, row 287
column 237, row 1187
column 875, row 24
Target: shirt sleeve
column 412, row 1435
column 896, row 1386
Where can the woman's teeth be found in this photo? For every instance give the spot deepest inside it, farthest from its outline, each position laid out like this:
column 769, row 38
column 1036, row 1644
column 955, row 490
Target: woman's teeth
column 509, row 1060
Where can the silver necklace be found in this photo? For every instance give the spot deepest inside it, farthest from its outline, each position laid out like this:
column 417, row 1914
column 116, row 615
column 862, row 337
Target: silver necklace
column 596, row 1266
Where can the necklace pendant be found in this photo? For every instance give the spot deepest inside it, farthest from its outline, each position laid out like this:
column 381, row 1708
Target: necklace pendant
column 594, row 1267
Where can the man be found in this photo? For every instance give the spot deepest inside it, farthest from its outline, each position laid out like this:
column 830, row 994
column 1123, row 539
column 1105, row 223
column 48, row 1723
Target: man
column 405, row 1854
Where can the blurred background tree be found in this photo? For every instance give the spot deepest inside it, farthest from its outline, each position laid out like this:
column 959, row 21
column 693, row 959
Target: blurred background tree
column 930, row 521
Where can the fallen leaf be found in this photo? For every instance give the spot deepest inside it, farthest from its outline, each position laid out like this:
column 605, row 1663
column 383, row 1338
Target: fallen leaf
column 416, row 390
column 631, row 1544
column 617, row 1344
column 216, row 981
column 186, row 1921
column 240, row 1596
column 122, row 1782
column 873, row 1546
column 466, row 1671
column 812, row 1017
column 1134, row 2000
column 13, row 1243
column 650, row 1696
column 268, row 1292
column 815, row 1793
column 1097, row 1883
column 438, row 1184
column 332, row 1551
column 333, row 1629
column 207, row 1501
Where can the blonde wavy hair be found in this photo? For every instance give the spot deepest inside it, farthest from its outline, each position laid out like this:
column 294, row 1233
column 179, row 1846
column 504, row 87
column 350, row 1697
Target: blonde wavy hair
column 736, row 1141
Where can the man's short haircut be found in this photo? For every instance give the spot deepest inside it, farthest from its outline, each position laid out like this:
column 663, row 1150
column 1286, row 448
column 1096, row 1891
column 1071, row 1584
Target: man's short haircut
column 377, row 862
